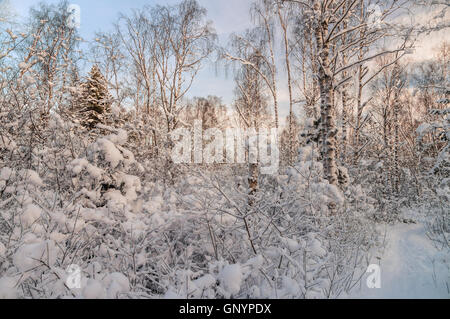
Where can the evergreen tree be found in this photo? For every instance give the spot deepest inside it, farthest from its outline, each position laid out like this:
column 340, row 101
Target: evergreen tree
column 96, row 99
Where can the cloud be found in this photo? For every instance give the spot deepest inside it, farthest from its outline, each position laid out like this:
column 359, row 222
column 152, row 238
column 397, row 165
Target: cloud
column 228, row 16
column 426, row 44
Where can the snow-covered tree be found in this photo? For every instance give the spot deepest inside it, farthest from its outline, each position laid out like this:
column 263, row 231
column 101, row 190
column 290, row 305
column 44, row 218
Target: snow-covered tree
column 95, row 101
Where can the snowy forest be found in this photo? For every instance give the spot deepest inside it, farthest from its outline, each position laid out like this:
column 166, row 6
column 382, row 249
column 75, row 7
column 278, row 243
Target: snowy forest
column 94, row 204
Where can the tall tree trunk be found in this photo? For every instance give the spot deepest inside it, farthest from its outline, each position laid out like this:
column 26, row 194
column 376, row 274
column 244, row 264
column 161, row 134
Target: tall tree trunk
column 328, row 129
column 359, row 107
column 344, row 124
column 289, row 79
column 359, row 112
column 344, row 96
column 396, row 164
column 253, row 183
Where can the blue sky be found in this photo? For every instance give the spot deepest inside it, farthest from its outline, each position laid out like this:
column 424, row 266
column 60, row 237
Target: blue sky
column 228, row 16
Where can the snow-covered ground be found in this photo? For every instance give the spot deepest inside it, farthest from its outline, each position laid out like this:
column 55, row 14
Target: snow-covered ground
column 411, row 267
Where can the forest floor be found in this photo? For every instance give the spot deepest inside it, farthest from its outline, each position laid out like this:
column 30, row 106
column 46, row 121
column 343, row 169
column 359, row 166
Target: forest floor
column 411, row 266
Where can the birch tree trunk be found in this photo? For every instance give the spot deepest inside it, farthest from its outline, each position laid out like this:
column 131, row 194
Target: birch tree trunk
column 328, row 128
column 284, row 27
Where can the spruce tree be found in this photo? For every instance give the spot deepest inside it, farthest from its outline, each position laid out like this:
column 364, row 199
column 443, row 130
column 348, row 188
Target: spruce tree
column 96, row 99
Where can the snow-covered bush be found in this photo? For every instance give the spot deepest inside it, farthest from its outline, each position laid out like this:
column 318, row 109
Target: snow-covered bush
column 78, row 211
column 436, row 194
column 301, row 238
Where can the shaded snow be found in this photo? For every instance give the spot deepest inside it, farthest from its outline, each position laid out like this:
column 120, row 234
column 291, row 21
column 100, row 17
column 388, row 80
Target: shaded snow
column 32, row 255
column 8, row 289
column 411, row 267
column 116, row 284
column 231, row 278
column 94, row 290
column 31, row 177
column 30, row 215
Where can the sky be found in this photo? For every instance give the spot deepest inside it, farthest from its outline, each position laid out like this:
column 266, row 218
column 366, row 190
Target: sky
column 228, row 16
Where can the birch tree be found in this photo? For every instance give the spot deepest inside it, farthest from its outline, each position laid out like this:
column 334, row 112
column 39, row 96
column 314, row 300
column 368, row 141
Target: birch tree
column 166, row 47
column 183, row 39
column 331, row 23
column 284, row 16
column 136, row 36
column 107, row 51
column 50, row 51
column 261, row 41
column 251, row 105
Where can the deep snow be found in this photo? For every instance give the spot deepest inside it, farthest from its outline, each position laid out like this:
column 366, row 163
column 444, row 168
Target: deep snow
column 411, row 267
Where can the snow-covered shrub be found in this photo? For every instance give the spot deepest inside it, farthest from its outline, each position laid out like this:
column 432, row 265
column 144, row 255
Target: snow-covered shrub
column 301, row 238
column 77, row 207
column 104, row 175
column 38, row 243
column 436, row 191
